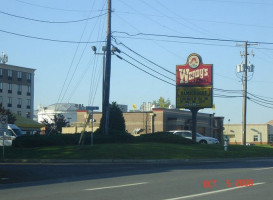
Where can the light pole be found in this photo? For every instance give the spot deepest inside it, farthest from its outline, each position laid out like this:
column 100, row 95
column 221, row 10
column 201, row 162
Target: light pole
column 244, row 68
column 105, row 87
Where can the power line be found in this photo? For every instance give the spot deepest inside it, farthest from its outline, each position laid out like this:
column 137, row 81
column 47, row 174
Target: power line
column 48, row 39
column 53, row 22
column 193, row 38
column 52, row 8
column 145, row 71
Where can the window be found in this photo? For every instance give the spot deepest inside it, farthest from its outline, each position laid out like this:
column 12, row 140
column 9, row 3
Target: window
column 1, row 87
column 19, row 105
column 9, row 74
column 9, row 102
column 29, row 77
column 10, row 88
column 19, row 89
column 1, row 72
column 19, row 113
column 28, row 90
column 19, row 76
column 28, row 103
column 255, row 138
column 270, row 138
column 1, row 99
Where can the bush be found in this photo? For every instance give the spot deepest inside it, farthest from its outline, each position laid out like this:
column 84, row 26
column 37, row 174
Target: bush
column 45, row 140
column 113, row 137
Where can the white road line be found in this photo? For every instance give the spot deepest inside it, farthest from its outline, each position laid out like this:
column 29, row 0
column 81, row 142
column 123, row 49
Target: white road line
column 116, row 186
column 263, row 168
column 212, row 192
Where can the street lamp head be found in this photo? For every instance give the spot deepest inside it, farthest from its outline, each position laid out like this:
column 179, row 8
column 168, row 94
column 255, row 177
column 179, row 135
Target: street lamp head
column 94, row 48
column 104, row 48
column 115, row 49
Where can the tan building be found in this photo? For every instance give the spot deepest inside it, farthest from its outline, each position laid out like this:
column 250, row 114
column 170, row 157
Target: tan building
column 255, row 133
column 158, row 120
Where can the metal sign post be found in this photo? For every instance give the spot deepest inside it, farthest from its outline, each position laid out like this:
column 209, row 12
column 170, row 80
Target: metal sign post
column 92, row 108
column 4, row 125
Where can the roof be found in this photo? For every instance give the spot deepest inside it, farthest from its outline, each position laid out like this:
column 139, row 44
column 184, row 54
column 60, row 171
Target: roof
column 27, row 124
column 63, row 107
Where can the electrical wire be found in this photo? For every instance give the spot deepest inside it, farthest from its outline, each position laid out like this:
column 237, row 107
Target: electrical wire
column 51, row 40
column 144, row 70
column 53, row 22
column 193, row 38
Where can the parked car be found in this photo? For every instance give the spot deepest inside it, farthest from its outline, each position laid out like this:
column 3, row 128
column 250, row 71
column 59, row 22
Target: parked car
column 199, row 138
column 13, row 131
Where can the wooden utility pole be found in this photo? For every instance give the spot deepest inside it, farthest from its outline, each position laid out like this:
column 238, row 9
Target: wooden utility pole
column 107, row 75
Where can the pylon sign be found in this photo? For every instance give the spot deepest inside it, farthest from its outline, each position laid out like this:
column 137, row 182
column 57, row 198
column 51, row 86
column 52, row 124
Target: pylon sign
column 194, row 83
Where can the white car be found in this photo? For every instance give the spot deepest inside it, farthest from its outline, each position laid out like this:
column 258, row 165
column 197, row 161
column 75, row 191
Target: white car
column 199, row 138
column 13, row 131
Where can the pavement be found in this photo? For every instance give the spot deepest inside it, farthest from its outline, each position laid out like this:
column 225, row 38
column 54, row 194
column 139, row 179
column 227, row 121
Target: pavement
column 24, row 170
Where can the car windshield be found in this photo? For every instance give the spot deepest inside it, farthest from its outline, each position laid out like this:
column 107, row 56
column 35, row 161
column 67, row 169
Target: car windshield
column 18, row 132
column 199, row 135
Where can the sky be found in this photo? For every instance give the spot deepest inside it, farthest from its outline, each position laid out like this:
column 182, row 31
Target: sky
column 154, row 36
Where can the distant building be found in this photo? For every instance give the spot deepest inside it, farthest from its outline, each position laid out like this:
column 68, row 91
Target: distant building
column 160, row 119
column 146, row 107
column 255, row 133
column 123, row 108
column 17, row 89
column 68, row 110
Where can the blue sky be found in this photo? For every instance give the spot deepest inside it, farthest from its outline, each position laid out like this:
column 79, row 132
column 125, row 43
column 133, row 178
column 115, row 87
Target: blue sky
column 70, row 72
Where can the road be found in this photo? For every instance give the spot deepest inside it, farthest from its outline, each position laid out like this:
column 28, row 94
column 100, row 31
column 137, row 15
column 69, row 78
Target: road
column 140, row 181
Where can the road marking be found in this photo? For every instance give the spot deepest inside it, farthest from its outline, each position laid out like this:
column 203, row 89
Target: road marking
column 116, row 186
column 264, row 168
column 212, row 192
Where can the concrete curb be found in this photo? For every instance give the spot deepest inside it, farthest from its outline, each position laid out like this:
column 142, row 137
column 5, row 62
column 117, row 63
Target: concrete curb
column 137, row 161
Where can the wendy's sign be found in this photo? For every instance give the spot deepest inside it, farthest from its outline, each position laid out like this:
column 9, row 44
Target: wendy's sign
column 194, row 72
column 194, row 84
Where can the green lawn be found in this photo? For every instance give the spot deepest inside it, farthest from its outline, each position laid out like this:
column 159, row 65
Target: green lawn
column 138, row 151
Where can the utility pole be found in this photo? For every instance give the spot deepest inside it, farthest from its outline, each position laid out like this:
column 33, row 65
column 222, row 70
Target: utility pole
column 106, row 92
column 244, row 68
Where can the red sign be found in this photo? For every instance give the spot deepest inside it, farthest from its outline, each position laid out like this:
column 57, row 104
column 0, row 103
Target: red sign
column 194, row 72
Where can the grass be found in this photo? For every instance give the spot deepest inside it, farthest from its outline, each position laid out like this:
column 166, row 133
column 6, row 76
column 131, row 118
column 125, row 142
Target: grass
column 138, row 151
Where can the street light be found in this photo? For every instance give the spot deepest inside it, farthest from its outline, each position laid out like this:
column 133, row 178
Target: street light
column 105, row 102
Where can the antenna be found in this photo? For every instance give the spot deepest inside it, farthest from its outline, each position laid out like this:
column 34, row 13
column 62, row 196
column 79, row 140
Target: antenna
column 4, row 58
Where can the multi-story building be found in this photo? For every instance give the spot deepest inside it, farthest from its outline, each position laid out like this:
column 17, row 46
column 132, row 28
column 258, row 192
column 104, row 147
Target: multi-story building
column 17, row 89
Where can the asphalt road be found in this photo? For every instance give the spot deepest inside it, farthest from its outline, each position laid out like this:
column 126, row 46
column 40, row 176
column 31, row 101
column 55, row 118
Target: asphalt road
column 201, row 180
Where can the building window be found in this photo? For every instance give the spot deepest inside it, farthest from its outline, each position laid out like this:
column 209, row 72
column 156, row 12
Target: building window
column 19, row 76
column 270, row 138
column 1, row 99
column 28, row 90
column 28, row 103
column 255, row 138
column 19, row 105
column 19, row 113
column 9, row 102
column 19, row 89
column 29, row 77
column 1, row 87
column 1, row 72
column 9, row 74
column 10, row 88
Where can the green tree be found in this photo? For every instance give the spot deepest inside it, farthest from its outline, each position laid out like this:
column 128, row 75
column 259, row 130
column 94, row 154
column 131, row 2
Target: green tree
column 116, row 119
column 162, row 103
column 11, row 116
column 55, row 127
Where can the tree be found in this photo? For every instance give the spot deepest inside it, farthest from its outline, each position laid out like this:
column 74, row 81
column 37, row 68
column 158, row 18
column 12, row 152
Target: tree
column 55, row 127
column 11, row 116
column 116, row 119
column 162, row 103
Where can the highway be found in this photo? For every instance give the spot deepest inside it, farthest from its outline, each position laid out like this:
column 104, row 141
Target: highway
column 246, row 179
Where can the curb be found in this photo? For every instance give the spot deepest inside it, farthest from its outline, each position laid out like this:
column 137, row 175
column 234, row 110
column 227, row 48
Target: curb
column 137, row 161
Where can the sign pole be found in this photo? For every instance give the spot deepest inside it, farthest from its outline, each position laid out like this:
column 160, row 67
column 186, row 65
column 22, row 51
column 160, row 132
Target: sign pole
column 194, row 112
column 92, row 127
